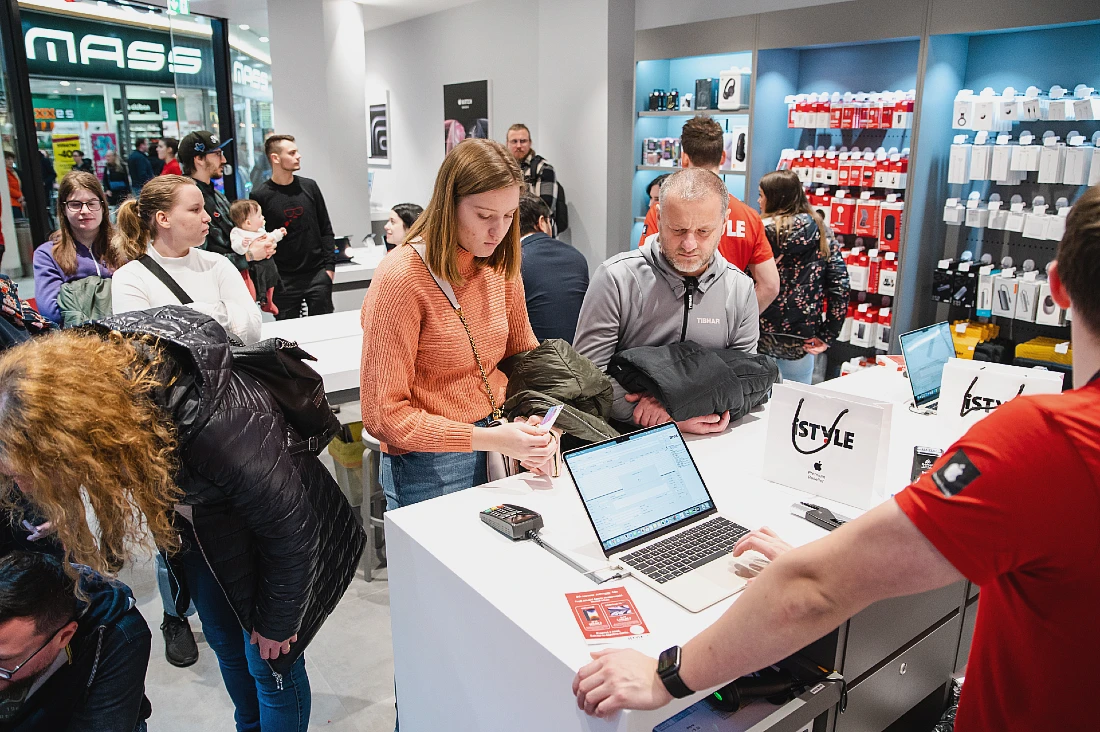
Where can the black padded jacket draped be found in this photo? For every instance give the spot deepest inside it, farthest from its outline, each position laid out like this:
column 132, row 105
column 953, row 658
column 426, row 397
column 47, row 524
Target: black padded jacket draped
column 274, row 528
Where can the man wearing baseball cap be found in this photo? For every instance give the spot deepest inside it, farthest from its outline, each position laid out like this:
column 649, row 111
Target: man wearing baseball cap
column 200, row 155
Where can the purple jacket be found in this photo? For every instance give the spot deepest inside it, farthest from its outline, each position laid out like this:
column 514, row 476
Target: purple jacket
column 48, row 276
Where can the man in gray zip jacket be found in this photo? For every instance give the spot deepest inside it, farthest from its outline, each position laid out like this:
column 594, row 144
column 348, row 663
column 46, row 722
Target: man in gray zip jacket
column 675, row 287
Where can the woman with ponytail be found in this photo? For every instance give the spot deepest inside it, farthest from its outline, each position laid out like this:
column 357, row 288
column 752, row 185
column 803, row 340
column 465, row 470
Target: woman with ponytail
column 162, row 230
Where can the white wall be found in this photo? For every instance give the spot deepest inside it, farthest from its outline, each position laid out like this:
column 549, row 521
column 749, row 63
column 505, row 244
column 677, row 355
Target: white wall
column 548, row 65
column 659, row 13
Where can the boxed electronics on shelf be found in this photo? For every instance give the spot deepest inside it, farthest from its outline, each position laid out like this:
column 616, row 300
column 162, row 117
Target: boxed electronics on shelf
column 991, row 111
column 851, row 111
column 1011, row 162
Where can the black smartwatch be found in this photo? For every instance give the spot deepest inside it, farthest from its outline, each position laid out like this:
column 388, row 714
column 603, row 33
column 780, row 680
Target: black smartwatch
column 668, row 669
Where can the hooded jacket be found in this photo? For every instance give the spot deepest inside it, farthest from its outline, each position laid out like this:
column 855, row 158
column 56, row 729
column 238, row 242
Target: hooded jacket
column 102, row 685
column 276, row 531
column 639, row 299
column 813, row 290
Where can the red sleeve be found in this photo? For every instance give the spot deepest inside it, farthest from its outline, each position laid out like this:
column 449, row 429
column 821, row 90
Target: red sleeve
column 650, row 226
column 754, row 228
column 1009, row 495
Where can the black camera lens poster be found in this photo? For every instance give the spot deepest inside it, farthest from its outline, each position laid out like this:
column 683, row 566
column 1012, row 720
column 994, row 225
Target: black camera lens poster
column 379, row 136
column 465, row 112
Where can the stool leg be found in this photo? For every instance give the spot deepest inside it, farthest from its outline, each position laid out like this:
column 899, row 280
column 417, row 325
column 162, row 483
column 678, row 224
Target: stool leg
column 369, row 472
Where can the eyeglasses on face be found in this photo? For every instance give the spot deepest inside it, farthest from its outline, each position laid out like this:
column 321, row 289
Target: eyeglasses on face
column 7, row 675
column 75, row 206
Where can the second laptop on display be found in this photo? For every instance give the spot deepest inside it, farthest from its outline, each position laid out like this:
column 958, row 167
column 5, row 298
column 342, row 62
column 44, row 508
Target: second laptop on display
column 653, row 514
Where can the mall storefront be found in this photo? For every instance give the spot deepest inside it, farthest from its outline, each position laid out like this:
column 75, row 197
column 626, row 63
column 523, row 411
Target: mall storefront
column 98, row 76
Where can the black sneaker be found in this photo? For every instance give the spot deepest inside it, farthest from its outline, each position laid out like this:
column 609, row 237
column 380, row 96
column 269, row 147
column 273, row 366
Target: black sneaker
column 179, row 642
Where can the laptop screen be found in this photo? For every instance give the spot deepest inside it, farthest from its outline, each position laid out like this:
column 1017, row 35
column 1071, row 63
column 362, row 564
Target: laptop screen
column 637, row 485
column 926, row 352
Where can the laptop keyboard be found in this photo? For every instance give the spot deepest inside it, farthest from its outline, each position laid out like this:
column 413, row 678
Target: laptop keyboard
column 687, row 550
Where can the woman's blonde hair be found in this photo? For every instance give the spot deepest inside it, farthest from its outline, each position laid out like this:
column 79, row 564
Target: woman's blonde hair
column 64, row 249
column 135, row 221
column 473, row 166
column 101, row 439
column 785, row 198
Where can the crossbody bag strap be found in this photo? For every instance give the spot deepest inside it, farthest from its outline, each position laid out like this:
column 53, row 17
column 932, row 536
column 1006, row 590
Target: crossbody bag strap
column 449, row 292
column 166, row 279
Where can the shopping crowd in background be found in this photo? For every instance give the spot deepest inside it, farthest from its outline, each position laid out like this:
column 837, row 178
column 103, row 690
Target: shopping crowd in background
column 203, row 459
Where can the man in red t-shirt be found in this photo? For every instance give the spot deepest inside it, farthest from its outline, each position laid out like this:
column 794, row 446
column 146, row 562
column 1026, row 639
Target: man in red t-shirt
column 1013, row 506
column 743, row 244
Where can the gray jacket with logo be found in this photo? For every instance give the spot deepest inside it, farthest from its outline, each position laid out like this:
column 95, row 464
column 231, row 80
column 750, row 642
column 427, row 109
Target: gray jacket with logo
column 638, row 299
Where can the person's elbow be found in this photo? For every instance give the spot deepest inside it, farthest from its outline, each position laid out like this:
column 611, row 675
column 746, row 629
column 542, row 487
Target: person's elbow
column 808, row 599
column 767, row 289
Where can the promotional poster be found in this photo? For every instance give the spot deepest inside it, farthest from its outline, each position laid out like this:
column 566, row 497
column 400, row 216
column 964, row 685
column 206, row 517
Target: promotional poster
column 465, row 112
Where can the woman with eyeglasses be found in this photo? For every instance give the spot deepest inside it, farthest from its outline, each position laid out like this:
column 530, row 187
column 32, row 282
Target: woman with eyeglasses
column 81, row 247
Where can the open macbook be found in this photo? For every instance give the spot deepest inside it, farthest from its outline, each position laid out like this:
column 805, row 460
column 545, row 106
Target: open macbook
column 653, row 514
column 926, row 352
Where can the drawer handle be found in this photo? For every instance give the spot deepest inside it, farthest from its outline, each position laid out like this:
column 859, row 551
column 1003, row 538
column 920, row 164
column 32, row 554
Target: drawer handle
column 903, row 669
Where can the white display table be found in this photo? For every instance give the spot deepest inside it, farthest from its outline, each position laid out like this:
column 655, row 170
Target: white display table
column 349, row 285
column 336, row 341
column 483, row 637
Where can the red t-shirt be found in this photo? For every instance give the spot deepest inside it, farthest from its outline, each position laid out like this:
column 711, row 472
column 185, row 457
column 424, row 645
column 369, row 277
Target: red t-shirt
column 1015, row 506
column 172, row 167
column 743, row 242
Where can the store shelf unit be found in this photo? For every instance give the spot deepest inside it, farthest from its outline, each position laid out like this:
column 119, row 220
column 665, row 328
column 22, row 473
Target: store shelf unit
column 1019, row 58
column 855, row 67
column 679, row 74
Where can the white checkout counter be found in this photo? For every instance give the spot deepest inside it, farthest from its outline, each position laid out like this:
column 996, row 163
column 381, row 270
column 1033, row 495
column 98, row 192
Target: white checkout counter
column 349, row 284
column 484, row 639
column 336, row 341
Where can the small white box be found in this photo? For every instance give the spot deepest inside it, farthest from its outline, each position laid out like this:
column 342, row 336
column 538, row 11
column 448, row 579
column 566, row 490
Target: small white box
column 958, row 165
column 1009, row 110
column 1004, row 295
column 1086, row 109
column 1052, row 163
column 1016, row 218
column 998, row 219
column 1077, row 166
column 1048, row 312
column 1035, row 225
column 963, row 115
column 983, row 301
column 1001, row 159
column 985, row 111
column 1025, row 158
column 981, row 162
column 1027, row 296
column 1059, row 110
column 1031, row 110
column 1056, row 225
column 1094, row 169
column 954, row 212
column 977, row 218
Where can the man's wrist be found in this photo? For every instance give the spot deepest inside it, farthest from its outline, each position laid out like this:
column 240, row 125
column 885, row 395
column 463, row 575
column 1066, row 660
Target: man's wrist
column 668, row 670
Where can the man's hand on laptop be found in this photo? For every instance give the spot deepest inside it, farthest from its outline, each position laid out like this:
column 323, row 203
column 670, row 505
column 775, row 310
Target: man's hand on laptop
column 648, row 412
column 763, row 540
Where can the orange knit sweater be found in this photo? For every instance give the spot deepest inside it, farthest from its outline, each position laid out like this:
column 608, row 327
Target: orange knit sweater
column 420, row 386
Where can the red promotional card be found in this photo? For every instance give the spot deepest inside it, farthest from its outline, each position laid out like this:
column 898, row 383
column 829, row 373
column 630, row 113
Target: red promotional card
column 606, row 614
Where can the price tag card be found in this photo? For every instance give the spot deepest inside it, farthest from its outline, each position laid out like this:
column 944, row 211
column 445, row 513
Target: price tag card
column 1062, row 348
column 606, row 614
column 960, row 328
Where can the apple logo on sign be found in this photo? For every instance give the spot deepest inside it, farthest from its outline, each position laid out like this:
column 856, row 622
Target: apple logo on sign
column 817, row 466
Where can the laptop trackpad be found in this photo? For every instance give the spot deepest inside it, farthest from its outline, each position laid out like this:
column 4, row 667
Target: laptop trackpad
column 708, row 584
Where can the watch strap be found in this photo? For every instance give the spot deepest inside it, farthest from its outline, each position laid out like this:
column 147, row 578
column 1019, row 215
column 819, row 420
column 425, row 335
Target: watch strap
column 675, row 686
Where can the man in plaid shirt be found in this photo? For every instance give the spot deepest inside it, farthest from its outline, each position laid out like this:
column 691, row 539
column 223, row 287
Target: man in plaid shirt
column 539, row 174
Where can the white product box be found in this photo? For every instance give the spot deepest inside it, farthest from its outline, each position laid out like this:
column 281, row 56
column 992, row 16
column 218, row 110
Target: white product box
column 1048, row 312
column 998, row 215
column 1078, row 164
column 1000, row 160
column 1025, row 157
column 954, row 212
column 1056, row 224
column 981, row 162
column 1035, row 224
column 1016, row 218
column 1052, row 163
column 1086, row 109
column 1004, row 294
column 983, row 300
column 977, row 217
column 963, row 115
column 958, row 165
column 1094, row 168
column 985, row 113
column 1027, row 296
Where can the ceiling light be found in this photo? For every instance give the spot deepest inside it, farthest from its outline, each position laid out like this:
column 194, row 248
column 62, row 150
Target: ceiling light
column 263, row 39
column 64, row 83
column 244, row 26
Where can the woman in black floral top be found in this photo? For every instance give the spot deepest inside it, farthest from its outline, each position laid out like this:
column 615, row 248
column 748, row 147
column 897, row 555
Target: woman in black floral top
column 809, row 312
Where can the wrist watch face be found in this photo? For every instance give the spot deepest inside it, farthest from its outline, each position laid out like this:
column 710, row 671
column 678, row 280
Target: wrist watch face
column 669, row 661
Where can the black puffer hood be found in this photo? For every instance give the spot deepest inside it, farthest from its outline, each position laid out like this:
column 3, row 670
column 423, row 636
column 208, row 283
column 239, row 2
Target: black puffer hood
column 200, row 348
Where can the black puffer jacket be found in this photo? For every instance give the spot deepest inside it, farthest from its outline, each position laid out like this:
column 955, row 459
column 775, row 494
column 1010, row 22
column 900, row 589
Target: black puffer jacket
column 813, row 289
column 274, row 528
column 690, row 380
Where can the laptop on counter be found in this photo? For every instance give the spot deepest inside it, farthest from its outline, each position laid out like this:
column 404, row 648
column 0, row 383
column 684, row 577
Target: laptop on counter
column 927, row 350
column 653, row 514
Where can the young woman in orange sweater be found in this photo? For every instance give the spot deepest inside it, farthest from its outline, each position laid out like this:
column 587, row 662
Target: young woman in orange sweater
column 430, row 383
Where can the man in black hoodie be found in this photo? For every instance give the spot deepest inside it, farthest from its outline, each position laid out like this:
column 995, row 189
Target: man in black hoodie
column 306, row 256
column 201, row 157
column 67, row 663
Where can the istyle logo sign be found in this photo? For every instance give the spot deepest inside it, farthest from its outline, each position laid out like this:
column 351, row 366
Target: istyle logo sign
column 817, row 433
column 974, row 403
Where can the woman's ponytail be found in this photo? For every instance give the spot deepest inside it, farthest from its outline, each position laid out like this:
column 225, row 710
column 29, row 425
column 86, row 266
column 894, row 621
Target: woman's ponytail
column 132, row 236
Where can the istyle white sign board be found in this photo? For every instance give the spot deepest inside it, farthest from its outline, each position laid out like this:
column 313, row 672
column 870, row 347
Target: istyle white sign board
column 970, row 390
column 829, row 444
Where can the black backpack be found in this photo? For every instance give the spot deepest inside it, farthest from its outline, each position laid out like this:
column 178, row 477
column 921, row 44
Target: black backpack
column 279, row 365
column 561, row 210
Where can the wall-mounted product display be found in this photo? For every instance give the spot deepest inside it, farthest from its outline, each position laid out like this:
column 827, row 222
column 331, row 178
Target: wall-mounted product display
column 851, row 111
column 991, row 111
column 669, row 92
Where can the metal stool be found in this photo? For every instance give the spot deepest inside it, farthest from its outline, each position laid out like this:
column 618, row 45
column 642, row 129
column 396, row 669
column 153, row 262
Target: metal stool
column 373, row 506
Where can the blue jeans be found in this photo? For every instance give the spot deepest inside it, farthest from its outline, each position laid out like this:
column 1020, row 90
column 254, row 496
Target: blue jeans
column 252, row 685
column 165, row 587
column 419, row 476
column 800, row 370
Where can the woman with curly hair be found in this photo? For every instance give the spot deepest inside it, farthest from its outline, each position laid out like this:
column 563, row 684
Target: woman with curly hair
column 170, row 441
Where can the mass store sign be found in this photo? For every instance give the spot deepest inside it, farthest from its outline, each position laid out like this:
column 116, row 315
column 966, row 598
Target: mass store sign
column 59, row 46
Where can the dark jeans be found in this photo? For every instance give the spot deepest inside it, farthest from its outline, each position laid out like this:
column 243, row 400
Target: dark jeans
column 252, row 685
column 315, row 290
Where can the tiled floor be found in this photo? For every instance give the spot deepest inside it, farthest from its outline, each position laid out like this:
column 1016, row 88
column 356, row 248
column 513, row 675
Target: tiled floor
column 350, row 666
